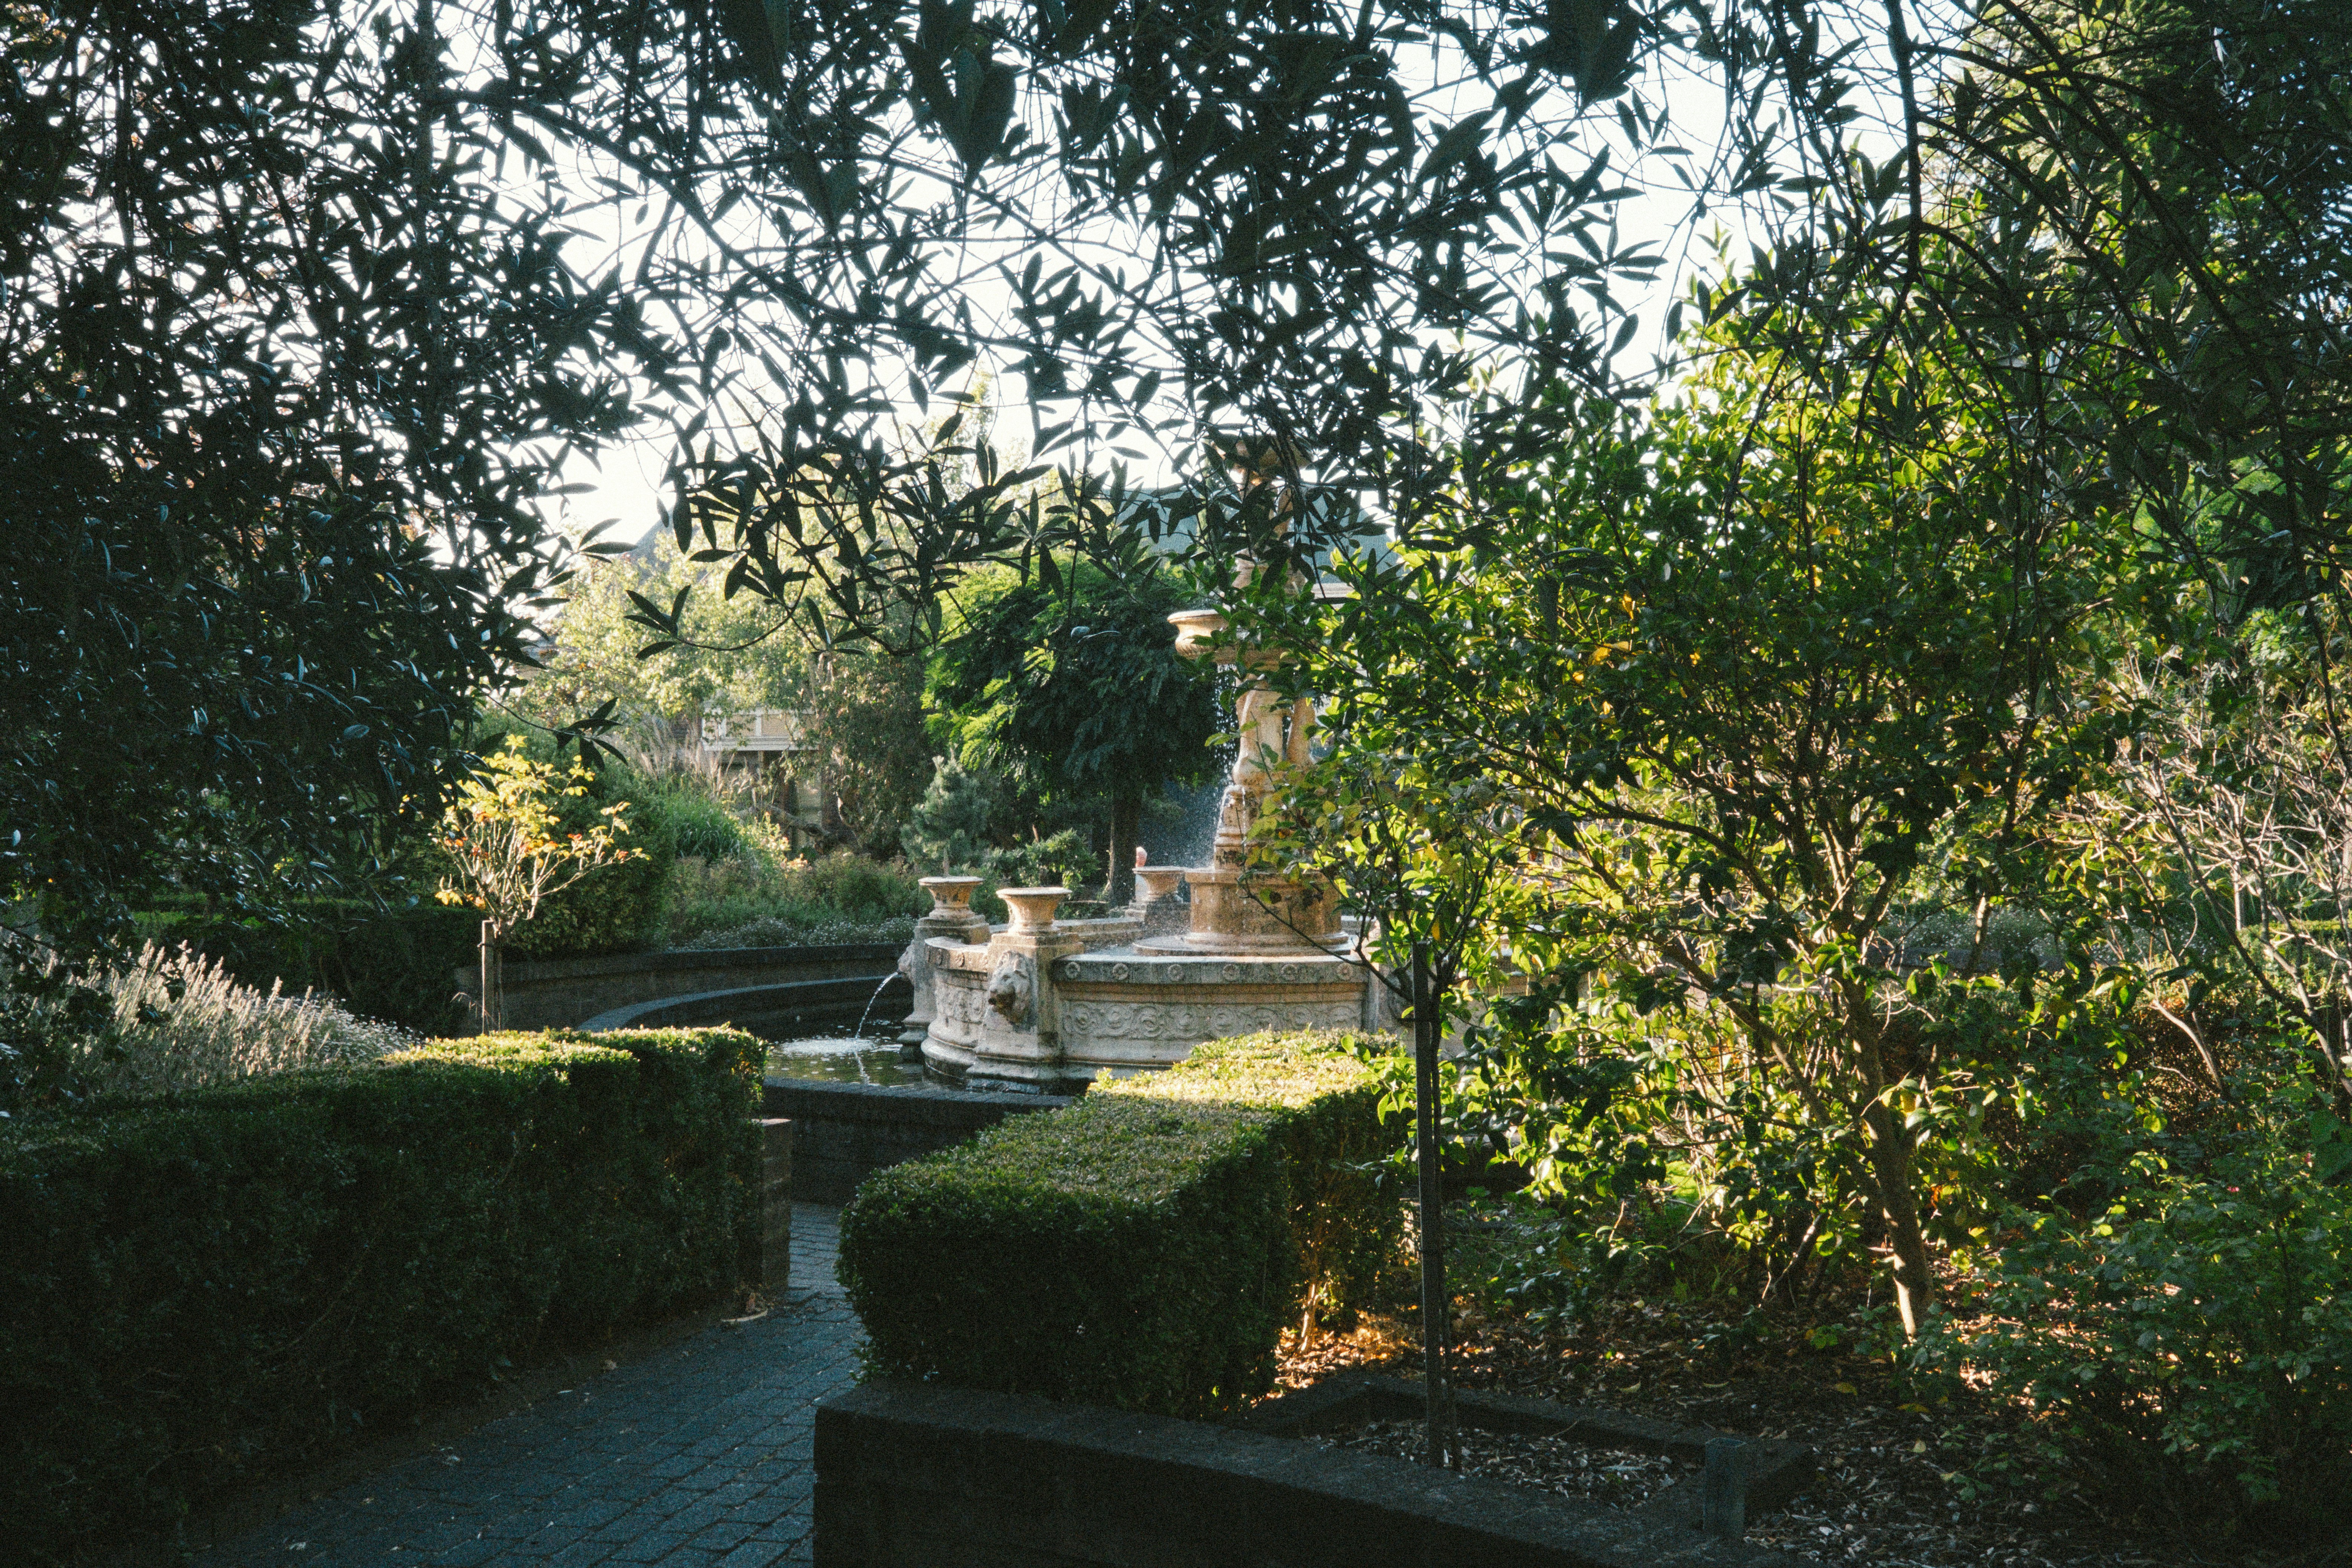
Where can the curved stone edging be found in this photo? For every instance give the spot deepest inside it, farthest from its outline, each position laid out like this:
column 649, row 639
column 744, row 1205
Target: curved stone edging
column 560, row 992
column 766, row 1010
column 843, row 1132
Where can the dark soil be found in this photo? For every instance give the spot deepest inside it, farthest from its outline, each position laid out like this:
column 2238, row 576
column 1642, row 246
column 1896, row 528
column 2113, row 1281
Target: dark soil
column 1905, row 1477
column 1618, row 1476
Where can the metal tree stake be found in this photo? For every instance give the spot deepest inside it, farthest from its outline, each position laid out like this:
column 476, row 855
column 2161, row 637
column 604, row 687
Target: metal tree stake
column 1435, row 1306
column 494, row 980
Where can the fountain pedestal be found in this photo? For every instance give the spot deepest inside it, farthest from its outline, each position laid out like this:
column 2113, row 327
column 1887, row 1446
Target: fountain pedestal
column 1157, row 907
column 952, row 917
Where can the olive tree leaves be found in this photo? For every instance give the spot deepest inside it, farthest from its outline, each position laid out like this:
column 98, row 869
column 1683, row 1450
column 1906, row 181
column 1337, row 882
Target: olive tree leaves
column 962, row 89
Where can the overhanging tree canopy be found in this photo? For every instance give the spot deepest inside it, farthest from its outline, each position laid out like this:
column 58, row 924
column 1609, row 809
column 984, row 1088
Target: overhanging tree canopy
column 384, row 264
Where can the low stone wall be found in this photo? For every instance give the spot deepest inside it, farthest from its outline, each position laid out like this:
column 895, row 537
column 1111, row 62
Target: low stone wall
column 919, row 1476
column 770, row 1011
column 1770, row 1470
column 843, row 1131
column 560, row 992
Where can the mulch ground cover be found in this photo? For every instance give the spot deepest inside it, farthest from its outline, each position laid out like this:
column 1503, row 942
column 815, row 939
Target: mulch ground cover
column 1903, row 1480
column 1617, row 1477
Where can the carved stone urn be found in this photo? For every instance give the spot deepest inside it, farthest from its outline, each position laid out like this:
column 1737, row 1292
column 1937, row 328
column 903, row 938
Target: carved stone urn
column 1031, row 908
column 1156, row 901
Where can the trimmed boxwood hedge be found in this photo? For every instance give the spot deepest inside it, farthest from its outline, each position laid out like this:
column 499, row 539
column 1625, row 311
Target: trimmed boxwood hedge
column 200, row 1287
column 1347, row 1221
column 1142, row 1248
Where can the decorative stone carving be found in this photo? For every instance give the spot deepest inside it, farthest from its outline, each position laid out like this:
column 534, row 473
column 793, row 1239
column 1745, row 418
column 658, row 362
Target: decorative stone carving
column 952, row 917
column 1012, row 989
column 1086, row 1023
column 951, row 905
column 1160, row 882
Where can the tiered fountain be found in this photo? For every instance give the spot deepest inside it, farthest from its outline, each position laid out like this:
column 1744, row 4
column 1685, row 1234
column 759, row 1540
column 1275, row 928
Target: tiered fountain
column 1041, row 1007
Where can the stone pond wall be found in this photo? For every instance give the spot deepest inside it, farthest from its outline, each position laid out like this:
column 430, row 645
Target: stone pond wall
column 844, row 1132
column 560, row 992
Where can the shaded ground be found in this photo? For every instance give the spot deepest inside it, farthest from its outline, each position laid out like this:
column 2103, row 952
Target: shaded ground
column 1618, row 1478
column 699, row 1454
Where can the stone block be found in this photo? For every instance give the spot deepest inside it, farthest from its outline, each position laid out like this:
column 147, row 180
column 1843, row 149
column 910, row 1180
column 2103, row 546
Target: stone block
column 920, row 1473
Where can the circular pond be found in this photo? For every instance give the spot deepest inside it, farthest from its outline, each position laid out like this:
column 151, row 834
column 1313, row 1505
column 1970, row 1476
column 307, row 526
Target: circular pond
column 843, row 1059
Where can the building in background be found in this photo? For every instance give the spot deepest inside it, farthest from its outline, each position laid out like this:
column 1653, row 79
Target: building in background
column 767, row 750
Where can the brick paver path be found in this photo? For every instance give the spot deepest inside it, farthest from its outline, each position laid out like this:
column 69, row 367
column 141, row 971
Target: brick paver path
column 699, row 1455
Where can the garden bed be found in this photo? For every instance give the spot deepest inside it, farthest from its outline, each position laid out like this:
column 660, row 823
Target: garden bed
column 1615, row 1477
column 1899, row 1481
column 1596, row 1454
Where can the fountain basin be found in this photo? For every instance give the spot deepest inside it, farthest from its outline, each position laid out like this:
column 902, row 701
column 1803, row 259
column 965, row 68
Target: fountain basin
column 1117, row 1009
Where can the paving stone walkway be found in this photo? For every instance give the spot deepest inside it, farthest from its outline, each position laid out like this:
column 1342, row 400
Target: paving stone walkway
column 699, row 1455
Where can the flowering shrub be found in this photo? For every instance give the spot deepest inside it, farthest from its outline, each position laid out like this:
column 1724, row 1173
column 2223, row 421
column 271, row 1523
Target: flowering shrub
column 507, row 843
column 174, row 1019
column 509, row 850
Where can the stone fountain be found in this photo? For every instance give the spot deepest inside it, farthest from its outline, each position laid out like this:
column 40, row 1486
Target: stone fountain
column 1041, row 1006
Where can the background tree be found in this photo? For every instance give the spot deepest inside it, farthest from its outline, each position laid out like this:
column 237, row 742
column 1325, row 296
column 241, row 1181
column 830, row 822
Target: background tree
column 1070, row 677
column 2216, row 847
column 741, row 656
column 866, row 717
column 950, row 828
column 1747, row 676
column 379, row 311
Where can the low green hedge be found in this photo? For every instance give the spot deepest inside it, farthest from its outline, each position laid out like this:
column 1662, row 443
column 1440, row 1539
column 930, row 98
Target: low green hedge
column 1142, row 1248
column 203, row 1287
column 1347, row 1221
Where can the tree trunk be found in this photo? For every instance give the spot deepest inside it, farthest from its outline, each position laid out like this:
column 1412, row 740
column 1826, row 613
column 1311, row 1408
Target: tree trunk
column 1126, row 822
column 1441, row 1448
column 1889, row 1160
column 494, row 999
column 1890, row 1169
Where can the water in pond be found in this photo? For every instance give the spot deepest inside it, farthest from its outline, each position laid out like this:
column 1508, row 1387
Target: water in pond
column 842, row 1059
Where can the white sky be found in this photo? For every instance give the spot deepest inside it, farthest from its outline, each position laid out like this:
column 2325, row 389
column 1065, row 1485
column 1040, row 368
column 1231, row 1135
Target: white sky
column 623, row 484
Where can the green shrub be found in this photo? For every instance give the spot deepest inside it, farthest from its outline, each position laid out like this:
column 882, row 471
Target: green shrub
column 614, row 909
column 1142, row 1248
column 718, row 903
column 1120, row 1252
column 781, row 931
column 392, row 964
column 854, row 888
column 58, row 1038
column 2202, row 1328
column 701, row 825
column 1063, row 860
column 203, row 1286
